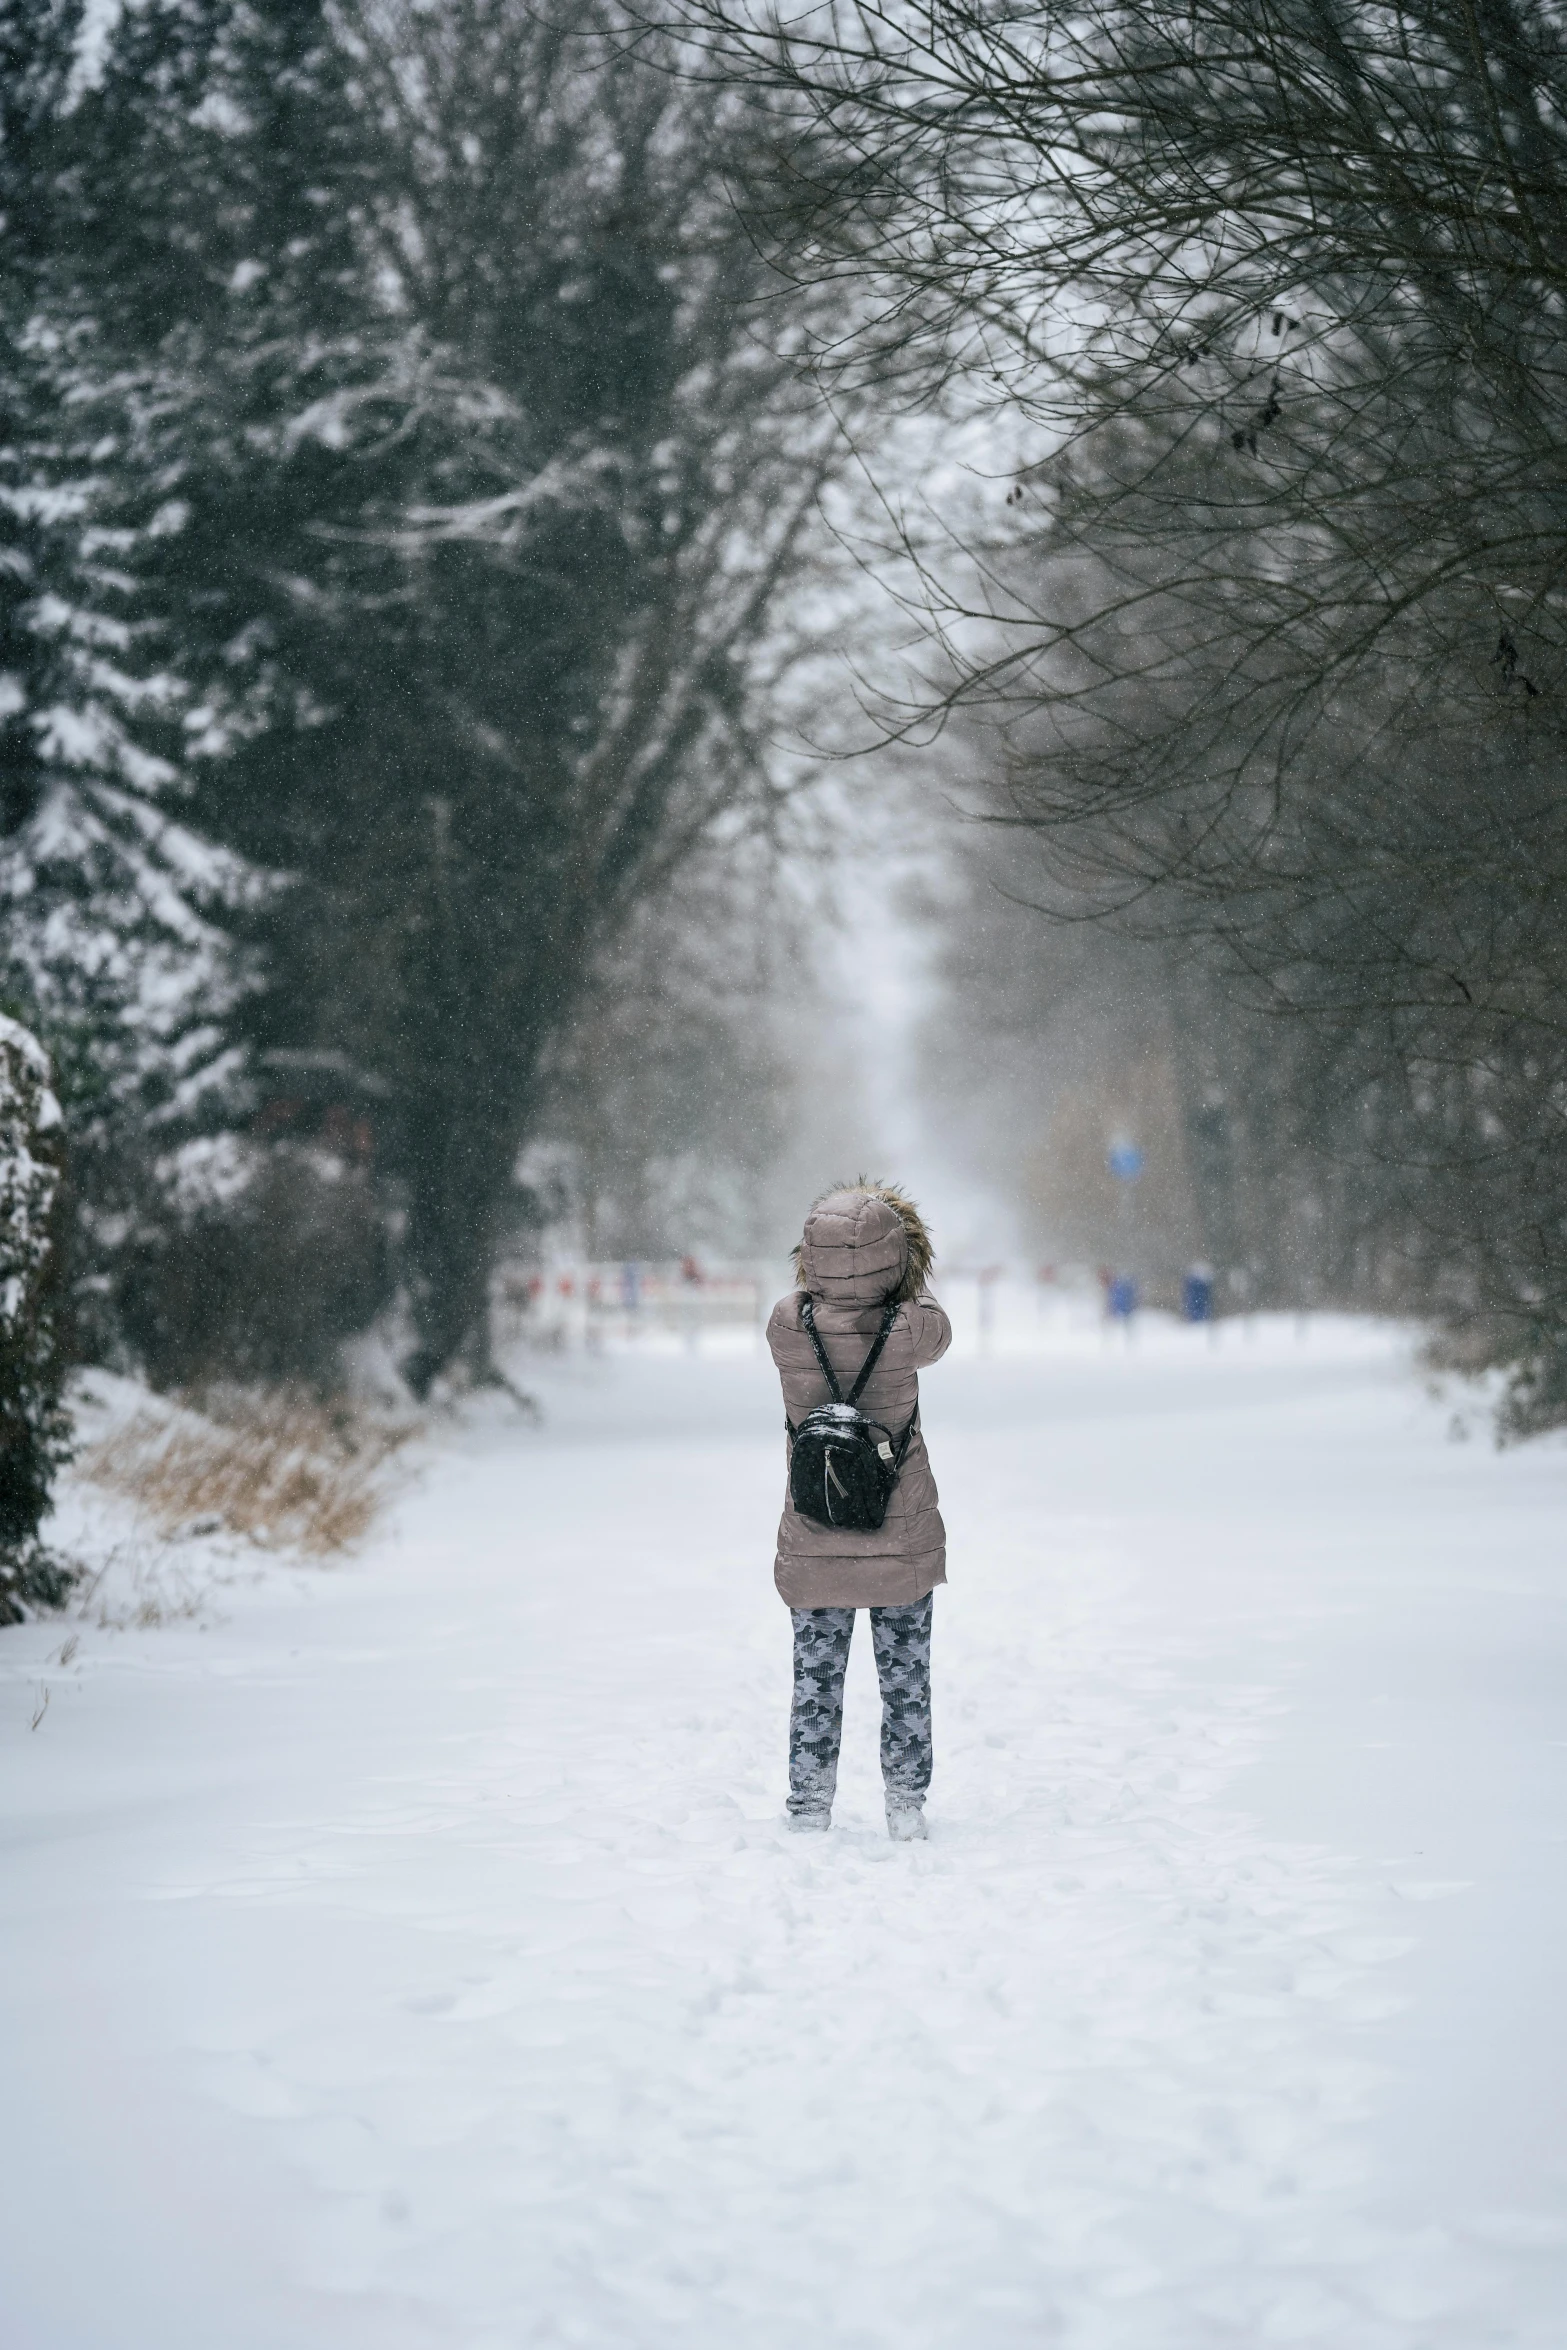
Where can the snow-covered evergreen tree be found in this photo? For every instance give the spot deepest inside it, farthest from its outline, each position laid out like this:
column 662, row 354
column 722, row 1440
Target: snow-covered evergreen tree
column 34, row 1430
column 112, row 943
column 106, row 893
column 111, row 940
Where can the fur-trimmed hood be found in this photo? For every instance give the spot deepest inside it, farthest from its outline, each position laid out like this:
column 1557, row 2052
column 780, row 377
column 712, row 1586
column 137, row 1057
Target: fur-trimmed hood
column 864, row 1244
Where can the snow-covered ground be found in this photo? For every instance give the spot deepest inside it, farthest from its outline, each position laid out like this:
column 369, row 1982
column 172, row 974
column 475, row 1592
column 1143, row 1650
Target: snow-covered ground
column 409, row 1956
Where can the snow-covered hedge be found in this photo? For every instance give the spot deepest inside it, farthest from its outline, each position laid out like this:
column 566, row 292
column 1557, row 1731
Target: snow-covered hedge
column 34, row 1429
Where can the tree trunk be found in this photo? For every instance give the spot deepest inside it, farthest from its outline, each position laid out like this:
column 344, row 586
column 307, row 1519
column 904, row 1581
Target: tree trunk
column 458, row 1184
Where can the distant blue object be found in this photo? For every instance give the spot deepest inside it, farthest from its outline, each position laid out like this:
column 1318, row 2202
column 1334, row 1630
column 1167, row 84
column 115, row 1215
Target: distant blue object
column 1197, row 1295
column 631, row 1287
column 1125, row 1161
column 1121, row 1298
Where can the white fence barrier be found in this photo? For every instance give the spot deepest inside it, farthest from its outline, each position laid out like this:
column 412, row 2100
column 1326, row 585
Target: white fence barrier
column 581, row 1304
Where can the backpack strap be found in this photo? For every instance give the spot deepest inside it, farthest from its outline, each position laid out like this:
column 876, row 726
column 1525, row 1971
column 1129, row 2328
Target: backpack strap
column 874, row 1357
column 808, row 1325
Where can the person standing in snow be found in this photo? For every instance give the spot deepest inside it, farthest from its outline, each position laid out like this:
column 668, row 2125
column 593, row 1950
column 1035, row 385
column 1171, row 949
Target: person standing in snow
column 862, row 1265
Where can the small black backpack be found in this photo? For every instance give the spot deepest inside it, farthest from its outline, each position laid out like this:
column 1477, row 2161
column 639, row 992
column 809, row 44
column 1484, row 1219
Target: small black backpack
column 844, row 1466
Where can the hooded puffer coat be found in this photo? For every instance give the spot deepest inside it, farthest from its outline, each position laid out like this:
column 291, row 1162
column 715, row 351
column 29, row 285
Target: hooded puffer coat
column 854, row 1258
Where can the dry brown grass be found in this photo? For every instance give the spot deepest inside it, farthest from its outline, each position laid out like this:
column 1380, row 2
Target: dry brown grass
column 275, row 1465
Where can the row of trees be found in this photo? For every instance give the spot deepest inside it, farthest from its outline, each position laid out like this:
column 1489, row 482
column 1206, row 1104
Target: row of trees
column 1261, row 308
column 401, row 504
column 400, row 508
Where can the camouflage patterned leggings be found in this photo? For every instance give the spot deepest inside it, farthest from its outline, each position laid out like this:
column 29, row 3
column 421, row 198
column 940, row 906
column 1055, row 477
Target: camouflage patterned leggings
column 900, row 1638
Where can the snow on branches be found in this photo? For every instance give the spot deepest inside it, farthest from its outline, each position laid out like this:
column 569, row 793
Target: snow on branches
column 109, row 899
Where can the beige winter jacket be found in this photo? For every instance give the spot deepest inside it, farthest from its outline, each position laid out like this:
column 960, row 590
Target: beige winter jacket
column 854, row 1256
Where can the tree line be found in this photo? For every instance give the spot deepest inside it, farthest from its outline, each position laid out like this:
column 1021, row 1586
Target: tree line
column 1261, row 307
column 404, row 469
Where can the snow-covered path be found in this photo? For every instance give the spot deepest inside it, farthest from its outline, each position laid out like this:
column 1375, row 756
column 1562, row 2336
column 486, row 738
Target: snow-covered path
column 411, row 1958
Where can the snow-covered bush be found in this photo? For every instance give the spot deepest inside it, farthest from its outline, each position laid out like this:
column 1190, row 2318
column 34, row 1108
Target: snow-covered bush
column 34, row 1430
column 264, row 1259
